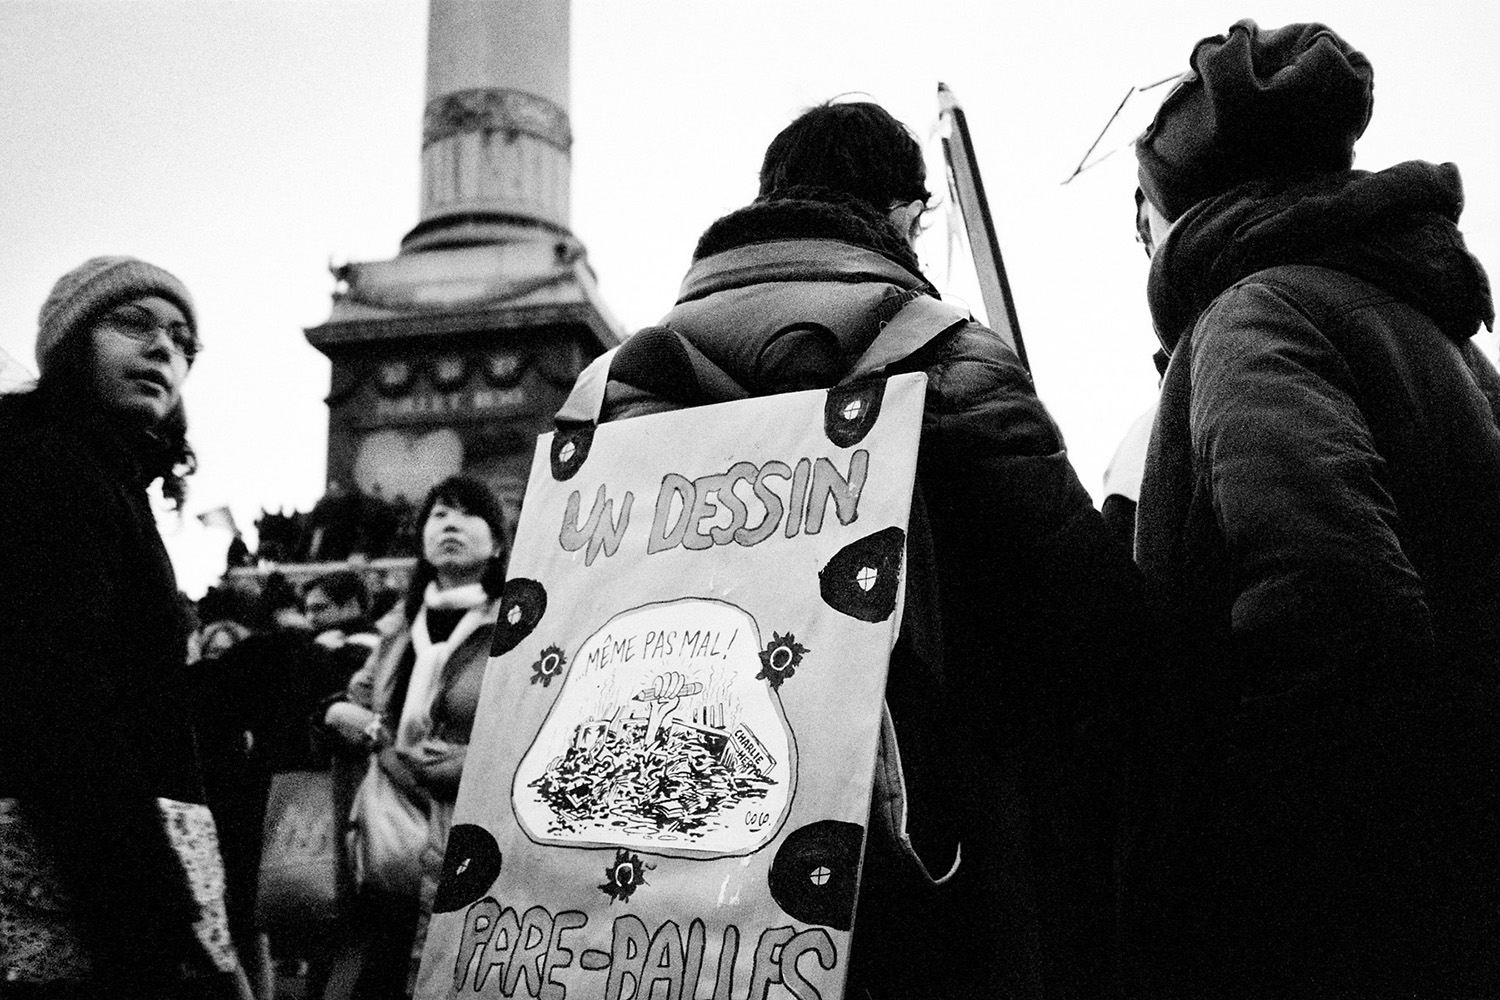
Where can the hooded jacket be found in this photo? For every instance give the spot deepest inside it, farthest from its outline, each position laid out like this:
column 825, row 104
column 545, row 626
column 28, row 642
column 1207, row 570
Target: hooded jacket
column 1319, row 528
column 1019, row 607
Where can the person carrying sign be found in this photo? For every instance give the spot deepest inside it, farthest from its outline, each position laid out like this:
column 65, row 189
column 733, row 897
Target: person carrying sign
column 1020, row 609
column 1319, row 528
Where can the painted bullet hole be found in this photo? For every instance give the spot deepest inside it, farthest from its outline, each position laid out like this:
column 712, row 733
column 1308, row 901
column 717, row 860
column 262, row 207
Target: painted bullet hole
column 814, row 875
column 570, row 449
column 521, row 607
column 470, row 866
column 549, row 664
column 862, row 578
column 851, row 411
column 624, row 877
column 780, row 659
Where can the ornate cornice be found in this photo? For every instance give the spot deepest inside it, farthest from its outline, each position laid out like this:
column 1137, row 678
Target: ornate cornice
column 513, row 112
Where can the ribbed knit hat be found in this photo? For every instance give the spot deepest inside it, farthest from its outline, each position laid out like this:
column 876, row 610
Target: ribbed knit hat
column 95, row 286
column 1255, row 104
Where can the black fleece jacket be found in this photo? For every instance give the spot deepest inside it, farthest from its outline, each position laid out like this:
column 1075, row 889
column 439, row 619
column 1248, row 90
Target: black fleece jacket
column 94, row 722
column 1319, row 528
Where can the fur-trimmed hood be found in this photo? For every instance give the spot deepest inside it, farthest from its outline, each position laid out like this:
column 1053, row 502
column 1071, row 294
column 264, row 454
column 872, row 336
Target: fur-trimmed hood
column 808, row 213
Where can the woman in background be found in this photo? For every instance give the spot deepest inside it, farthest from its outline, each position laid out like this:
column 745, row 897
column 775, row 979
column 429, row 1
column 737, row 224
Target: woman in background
column 110, row 879
column 413, row 704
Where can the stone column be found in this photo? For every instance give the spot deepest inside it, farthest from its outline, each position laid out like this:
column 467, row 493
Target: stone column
column 495, row 138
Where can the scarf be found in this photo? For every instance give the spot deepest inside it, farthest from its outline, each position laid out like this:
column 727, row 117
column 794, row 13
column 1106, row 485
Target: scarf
column 427, row 667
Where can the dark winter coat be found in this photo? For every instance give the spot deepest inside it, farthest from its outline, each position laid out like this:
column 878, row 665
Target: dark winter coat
column 1319, row 528
column 93, row 713
column 1019, row 606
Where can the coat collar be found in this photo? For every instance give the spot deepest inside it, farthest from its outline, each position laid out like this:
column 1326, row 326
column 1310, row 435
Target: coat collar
column 1396, row 229
column 812, row 214
column 792, row 260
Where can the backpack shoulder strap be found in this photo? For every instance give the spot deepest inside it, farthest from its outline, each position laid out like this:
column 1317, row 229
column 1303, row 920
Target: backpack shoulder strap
column 911, row 329
column 586, row 400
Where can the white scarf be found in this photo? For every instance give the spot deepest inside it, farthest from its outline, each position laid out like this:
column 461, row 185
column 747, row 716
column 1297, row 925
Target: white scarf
column 431, row 657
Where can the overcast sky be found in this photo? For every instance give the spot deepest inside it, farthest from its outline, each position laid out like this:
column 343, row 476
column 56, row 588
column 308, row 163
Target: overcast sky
column 245, row 145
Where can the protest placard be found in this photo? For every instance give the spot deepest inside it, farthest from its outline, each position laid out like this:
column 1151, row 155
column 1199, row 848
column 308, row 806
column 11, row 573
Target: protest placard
column 669, row 777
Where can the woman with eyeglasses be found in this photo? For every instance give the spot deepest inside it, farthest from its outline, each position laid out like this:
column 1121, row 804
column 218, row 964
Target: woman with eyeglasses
column 110, row 878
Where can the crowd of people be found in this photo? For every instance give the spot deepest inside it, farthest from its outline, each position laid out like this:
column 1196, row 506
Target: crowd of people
column 1238, row 740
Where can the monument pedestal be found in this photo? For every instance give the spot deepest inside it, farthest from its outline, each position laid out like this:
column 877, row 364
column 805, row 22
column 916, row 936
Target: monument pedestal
column 456, row 353
column 455, row 359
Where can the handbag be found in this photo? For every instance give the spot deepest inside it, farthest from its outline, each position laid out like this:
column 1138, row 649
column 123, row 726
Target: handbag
column 388, row 835
column 302, row 882
column 40, row 937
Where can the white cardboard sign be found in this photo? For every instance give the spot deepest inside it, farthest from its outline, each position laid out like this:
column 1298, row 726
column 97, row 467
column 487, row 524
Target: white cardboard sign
column 669, row 777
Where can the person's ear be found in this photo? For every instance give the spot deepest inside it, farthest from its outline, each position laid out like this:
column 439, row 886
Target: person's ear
column 907, row 219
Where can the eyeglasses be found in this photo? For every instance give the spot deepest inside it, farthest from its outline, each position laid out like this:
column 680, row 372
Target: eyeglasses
column 916, row 227
column 141, row 324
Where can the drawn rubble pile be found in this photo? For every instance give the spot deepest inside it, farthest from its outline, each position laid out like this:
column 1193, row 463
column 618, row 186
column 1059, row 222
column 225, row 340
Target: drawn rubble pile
column 657, row 774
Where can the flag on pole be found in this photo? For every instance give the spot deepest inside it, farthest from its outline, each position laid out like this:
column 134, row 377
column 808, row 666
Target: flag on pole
column 219, row 517
column 14, row 376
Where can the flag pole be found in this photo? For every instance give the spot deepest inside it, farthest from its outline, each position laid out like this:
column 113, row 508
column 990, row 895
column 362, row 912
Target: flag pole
column 968, row 190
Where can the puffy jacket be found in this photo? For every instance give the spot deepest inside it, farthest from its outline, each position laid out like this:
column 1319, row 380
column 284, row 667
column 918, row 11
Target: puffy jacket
column 1020, row 613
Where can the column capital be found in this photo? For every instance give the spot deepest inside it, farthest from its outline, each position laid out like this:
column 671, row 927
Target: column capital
column 495, row 109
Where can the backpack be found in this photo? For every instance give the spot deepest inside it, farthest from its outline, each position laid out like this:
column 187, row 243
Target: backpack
column 910, row 323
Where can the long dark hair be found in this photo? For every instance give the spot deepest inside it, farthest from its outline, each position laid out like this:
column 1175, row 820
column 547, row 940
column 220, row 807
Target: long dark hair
column 66, row 392
column 472, row 496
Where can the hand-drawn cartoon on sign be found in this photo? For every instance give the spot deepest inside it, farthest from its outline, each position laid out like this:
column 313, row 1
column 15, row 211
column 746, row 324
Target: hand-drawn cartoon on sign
column 663, row 740
column 667, row 787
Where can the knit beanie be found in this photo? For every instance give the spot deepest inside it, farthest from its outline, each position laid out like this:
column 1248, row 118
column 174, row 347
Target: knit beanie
column 1255, row 104
column 95, row 286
